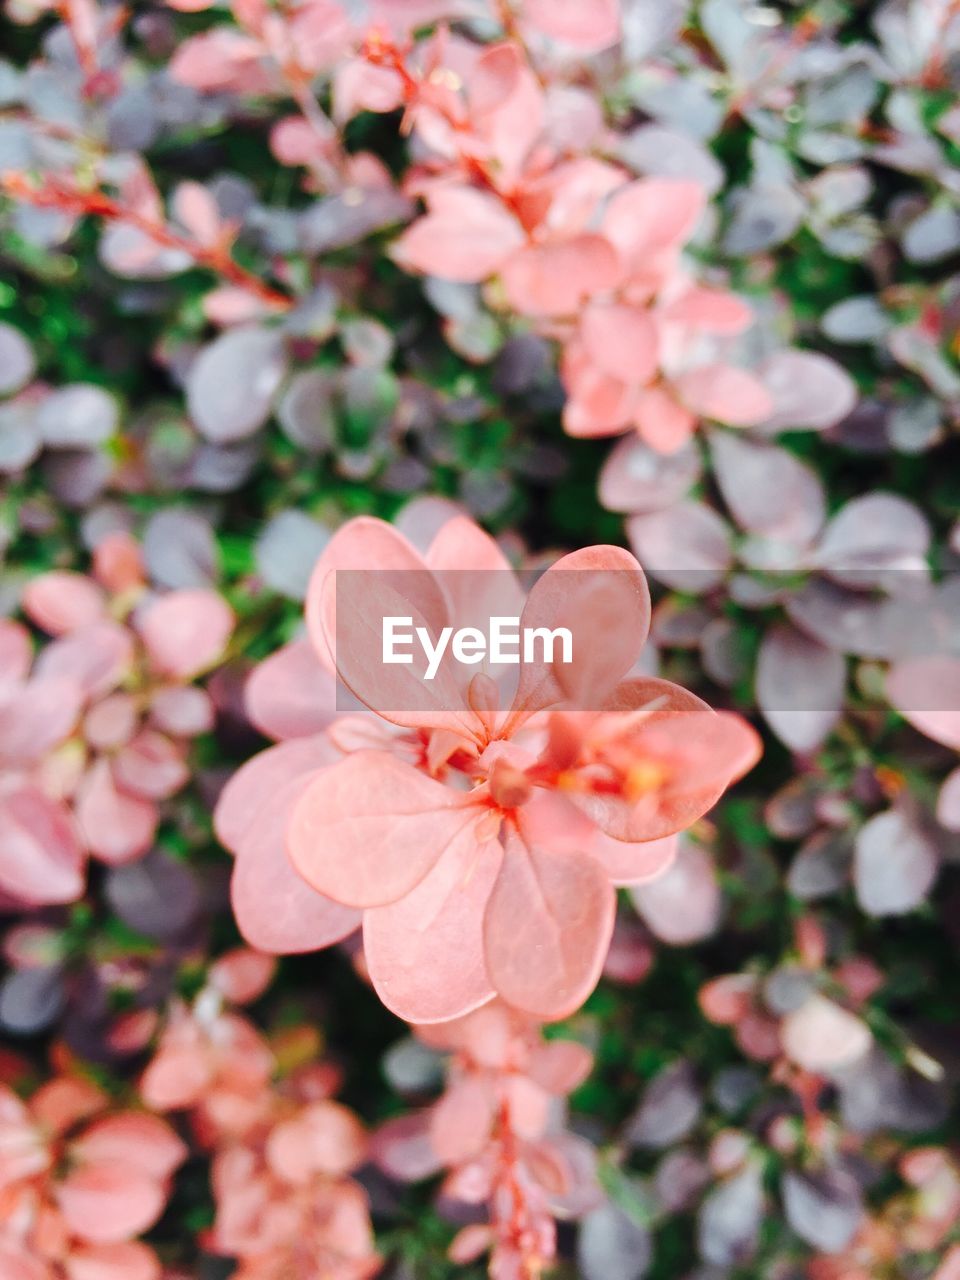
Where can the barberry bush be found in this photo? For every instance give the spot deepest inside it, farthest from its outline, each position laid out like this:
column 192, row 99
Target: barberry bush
column 635, row 317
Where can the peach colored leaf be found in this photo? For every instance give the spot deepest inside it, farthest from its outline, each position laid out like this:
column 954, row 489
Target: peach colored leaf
column 628, row 863
column 724, row 393
column 276, row 910
column 651, row 215
column 466, row 235
column 599, row 594
column 661, row 421
column 587, row 28
column 425, row 953
column 362, row 543
column 698, row 755
column 560, row 1066
column 622, row 341
column 242, row 975
column 368, row 830
column 710, row 310
column 134, row 1139
column 129, row 1260
column 256, row 783
column 461, row 1123
column 547, row 928
column 324, row 1138
column 555, row 278
column 106, row 1204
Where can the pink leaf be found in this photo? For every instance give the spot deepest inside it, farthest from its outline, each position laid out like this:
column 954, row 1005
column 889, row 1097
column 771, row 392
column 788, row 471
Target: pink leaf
column 182, row 711
column 276, row 909
column 466, row 236
column 652, row 215
column 661, row 421
column 361, row 544
column 36, row 717
column 555, row 278
column 256, row 784
column 687, row 760
column 134, row 1139
column 106, row 1204
column 186, row 632
column 560, row 1066
column 116, row 827
column 724, row 393
column 547, row 928
column 16, row 652
column 462, row 1121
column 218, row 60
column 97, row 657
column 41, row 860
column 711, row 310
column 324, row 1138
column 124, row 1261
column 425, row 953
column 369, row 829
column 586, row 27
column 630, row 863
column 460, row 544
column 621, row 341
column 60, row 602
column 402, row 1148
column 242, row 975
column 599, row 594
column 290, row 695
column 196, row 210
column 150, row 766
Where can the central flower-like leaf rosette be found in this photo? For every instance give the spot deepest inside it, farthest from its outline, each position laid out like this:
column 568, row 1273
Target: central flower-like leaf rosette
column 482, row 821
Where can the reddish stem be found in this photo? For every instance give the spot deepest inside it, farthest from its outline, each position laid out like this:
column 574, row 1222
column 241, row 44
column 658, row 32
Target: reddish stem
column 214, row 258
column 515, row 1231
